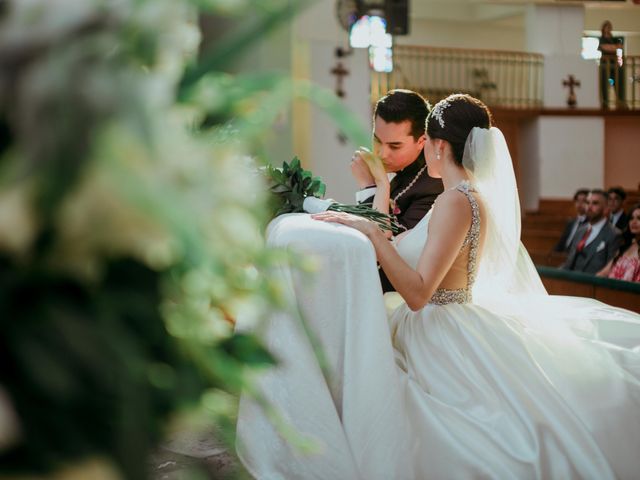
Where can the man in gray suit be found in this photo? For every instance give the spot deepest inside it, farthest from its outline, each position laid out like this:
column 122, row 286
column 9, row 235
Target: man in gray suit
column 595, row 243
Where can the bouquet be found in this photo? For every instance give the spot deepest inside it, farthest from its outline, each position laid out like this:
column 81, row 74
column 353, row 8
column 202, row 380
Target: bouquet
column 296, row 190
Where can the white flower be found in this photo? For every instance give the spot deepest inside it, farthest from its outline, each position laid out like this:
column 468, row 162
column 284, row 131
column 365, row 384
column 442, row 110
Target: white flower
column 17, row 220
column 9, row 425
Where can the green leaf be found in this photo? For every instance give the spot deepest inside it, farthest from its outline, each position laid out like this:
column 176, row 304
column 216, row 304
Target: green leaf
column 247, row 349
column 280, row 188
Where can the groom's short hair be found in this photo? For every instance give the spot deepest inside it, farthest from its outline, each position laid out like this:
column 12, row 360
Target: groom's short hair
column 400, row 105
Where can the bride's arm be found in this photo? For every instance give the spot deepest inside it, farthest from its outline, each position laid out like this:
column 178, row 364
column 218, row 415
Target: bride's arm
column 381, row 203
column 448, row 226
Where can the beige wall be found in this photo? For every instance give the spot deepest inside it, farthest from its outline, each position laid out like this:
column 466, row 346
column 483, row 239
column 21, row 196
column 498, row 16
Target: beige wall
column 571, row 152
column 625, row 22
column 622, row 152
column 441, row 33
column 510, row 34
column 315, row 36
column 633, row 45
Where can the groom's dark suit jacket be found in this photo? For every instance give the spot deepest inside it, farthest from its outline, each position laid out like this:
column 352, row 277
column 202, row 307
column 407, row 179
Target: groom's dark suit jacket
column 415, row 202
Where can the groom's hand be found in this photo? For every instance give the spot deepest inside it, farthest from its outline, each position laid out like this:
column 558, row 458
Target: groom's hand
column 360, row 171
column 374, row 165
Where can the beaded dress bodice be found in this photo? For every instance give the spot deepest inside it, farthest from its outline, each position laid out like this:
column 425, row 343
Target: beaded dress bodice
column 468, row 255
column 410, row 248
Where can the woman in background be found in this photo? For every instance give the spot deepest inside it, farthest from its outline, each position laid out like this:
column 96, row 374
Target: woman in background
column 611, row 70
column 626, row 265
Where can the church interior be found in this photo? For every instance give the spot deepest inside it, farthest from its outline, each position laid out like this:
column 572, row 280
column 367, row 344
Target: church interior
column 132, row 235
column 536, row 66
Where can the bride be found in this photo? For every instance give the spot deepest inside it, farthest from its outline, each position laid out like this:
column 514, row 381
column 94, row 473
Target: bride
column 478, row 374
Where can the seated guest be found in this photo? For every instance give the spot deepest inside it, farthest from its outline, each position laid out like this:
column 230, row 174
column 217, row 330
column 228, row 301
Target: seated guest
column 615, row 200
column 596, row 242
column 570, row 229
column 626, row 265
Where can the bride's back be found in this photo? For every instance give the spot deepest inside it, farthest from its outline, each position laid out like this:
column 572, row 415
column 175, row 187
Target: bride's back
column 411, row 246
column 460, row 274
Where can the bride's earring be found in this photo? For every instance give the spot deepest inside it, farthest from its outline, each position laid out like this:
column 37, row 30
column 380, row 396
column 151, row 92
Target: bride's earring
column 437, row 156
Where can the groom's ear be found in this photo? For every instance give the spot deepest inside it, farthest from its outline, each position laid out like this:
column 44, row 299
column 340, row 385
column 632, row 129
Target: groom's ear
column 421, row 140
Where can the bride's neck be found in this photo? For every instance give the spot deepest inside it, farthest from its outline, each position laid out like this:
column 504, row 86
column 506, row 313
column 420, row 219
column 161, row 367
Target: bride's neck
column 453, row 174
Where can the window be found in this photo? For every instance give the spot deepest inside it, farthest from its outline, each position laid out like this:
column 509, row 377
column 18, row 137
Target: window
column 381, row 59
column 370, row 31
column 590, row 48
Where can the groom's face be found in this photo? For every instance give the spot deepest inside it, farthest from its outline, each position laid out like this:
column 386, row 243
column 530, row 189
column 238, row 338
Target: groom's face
column 395, row 145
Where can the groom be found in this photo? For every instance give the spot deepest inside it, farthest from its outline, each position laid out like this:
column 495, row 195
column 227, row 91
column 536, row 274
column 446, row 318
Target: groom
column 398, row 139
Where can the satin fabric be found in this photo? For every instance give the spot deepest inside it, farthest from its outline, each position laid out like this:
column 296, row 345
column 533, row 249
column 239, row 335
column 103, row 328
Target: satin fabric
column 489, row 399
column 546, row 388
column 523, row 386
column 345, row 398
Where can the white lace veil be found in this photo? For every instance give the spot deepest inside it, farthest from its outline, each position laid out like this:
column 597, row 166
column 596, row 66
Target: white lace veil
column 505, row 266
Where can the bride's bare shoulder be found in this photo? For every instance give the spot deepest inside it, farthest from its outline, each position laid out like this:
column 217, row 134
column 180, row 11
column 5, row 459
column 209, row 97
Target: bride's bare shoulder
column 451, row 217
column 452, row 204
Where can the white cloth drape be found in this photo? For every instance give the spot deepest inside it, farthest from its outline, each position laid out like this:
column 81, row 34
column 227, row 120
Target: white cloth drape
column 354, row 407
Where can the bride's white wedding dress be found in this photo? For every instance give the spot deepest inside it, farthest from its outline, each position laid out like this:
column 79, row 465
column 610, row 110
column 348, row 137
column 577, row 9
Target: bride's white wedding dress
column 491, row 396
column 336, row 382
column 493, row 380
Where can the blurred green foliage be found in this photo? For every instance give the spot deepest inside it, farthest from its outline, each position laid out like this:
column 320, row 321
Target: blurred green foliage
column 131, row 231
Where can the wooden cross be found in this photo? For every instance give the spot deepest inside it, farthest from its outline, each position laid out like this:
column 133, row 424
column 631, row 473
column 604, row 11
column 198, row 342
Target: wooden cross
column 571, row 82
column 339, row 71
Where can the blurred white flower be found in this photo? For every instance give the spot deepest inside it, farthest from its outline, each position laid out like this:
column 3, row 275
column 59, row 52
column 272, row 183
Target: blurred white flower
column 94, row 468
column 43, row 20
column 249, row 311
column 237, row 225
column 17, row 220
column 9, row 425
column 94, row 222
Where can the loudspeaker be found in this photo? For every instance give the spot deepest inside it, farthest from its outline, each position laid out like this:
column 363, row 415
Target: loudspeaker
column 397, row 13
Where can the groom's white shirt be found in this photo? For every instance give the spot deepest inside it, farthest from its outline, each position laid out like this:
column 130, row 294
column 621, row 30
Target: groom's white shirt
column 362, row 195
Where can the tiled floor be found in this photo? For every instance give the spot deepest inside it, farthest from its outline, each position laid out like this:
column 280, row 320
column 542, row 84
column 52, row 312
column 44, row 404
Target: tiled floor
column 195, row 455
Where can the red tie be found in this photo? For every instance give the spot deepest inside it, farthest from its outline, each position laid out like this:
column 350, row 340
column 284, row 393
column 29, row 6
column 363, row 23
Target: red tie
column 583, row 240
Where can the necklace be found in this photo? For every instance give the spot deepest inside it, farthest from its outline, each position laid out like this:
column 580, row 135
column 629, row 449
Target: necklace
column 394, row 201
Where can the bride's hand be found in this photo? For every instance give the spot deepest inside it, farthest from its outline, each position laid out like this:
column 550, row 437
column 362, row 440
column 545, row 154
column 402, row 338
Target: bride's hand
column 363, row 225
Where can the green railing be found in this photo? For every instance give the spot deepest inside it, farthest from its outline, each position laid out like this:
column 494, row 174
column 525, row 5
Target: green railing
column 580, row 277
column 499, row 78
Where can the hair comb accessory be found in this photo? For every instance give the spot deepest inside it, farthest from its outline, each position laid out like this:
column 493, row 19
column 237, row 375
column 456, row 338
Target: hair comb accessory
column 438, row 110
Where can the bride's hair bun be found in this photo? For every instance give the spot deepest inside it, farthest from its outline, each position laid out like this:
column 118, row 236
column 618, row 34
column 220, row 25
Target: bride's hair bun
column 453, row 118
